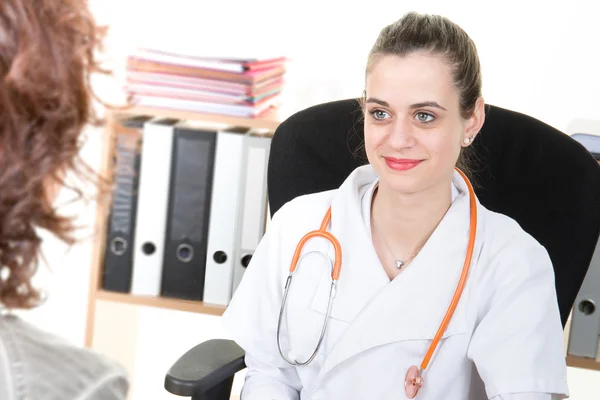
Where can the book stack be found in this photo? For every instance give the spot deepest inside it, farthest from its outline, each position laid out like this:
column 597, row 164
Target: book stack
column 232, row 86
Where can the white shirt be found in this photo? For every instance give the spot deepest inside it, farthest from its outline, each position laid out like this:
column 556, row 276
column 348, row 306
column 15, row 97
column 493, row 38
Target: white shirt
column 504, row 341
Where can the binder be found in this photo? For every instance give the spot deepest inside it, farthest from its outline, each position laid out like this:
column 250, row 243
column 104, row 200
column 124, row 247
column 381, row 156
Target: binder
column 149, row 239
column 253, row 216
column 584, row 333
column 188, row 212
column 225, row 206
column 118, row 253
column 590, row 141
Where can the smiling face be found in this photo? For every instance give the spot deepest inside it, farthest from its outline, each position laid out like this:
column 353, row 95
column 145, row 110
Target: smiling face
column 413, row 125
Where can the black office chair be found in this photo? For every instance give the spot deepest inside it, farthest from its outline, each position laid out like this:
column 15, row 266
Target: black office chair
column 545, row 180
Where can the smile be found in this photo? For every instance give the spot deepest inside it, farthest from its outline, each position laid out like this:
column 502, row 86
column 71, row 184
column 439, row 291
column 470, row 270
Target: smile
column 401, row 164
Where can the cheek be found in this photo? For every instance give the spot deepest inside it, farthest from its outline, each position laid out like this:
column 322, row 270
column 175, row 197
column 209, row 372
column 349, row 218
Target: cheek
column 446, row 147
column 439, row 143
column 377, row 134
column 372, row 139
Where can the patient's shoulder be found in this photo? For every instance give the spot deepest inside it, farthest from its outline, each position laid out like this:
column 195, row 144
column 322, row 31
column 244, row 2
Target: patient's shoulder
column 37, row 364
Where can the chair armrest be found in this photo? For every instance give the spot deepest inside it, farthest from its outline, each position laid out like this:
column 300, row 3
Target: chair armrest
column 204, row 366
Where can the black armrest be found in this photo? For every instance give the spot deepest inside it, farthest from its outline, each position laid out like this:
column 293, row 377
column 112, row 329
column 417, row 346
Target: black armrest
column 203, row 368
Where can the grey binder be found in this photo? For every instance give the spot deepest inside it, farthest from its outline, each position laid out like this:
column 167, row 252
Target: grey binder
column 585, row 321
column 590, row 142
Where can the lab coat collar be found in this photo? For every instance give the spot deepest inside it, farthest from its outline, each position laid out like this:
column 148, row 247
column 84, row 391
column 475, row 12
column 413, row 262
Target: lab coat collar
column 420, row 294
column 361, row 276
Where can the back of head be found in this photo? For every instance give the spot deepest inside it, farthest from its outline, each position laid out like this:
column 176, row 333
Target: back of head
column 436, row 35
column 46, row 58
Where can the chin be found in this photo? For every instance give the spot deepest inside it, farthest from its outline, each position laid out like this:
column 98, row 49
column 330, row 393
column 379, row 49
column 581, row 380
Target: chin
column 406, row 187
column 406, row 183
column 413, row 180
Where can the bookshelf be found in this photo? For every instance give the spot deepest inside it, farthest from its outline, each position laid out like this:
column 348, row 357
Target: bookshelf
column 269, row 121
column 583, row 363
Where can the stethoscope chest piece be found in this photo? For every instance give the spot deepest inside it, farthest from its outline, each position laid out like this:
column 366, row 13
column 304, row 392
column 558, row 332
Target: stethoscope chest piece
column 413, row 382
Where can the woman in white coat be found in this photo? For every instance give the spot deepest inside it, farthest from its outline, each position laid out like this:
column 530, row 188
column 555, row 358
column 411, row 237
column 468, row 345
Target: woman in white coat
column 403, row 223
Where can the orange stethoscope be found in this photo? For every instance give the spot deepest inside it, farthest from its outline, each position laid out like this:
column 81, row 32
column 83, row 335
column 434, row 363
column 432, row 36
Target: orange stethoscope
column 414, row 379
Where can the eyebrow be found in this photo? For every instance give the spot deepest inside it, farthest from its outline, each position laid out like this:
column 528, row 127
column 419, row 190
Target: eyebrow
column 417, row 105
column 428, row 104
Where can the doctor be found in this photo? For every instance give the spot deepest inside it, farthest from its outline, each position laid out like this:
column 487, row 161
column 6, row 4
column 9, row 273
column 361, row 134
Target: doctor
column 408, row 226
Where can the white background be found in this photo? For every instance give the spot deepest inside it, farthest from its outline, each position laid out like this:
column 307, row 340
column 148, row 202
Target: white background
column 538, row 57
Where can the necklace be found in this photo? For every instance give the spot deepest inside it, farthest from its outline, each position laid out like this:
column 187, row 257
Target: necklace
column 399, row 263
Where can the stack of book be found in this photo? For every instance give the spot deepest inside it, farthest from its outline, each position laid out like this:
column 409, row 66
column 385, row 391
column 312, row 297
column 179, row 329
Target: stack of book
column 233, row 86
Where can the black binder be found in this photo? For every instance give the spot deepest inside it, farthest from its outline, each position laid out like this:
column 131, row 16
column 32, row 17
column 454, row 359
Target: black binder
column 188, row 213
column 118, row 254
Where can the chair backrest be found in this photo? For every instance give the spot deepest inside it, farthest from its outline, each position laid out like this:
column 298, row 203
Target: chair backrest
column 545, row 180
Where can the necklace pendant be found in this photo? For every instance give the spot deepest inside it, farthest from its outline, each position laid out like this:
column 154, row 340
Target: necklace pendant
column 399, row 264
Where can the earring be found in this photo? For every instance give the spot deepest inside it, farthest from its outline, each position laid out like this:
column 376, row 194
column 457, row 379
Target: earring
column 468, row 140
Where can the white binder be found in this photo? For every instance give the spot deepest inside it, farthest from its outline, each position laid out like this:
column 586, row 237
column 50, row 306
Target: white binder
column 253, row 216
column 225, row 207
column 153, row 196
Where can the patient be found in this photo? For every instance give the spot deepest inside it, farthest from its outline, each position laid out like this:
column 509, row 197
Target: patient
column 46, row 59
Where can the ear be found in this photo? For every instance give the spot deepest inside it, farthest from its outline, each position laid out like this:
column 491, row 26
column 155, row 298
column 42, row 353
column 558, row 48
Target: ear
column 475, row 122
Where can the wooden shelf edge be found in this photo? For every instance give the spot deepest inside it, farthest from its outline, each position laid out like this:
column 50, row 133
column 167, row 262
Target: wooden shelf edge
column 581, row 362
column 99, row 240
column 162, row 302
column 270, row 120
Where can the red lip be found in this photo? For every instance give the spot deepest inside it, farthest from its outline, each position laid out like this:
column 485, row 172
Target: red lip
column 401, row 164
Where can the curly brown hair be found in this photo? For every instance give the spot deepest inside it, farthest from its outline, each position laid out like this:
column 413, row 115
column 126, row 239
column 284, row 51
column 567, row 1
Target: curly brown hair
column 47, row 57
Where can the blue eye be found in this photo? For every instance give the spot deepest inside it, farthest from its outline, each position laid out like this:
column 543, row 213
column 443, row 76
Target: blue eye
column 425, row 117
column 378, row 114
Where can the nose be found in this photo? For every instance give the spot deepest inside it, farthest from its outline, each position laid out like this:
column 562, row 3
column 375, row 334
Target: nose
column 402, row 134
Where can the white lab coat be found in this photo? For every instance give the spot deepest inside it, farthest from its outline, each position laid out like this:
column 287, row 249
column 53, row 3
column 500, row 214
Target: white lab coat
column 505, row 340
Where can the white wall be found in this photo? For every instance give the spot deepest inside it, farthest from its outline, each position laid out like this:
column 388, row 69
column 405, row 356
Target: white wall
column 538, row 57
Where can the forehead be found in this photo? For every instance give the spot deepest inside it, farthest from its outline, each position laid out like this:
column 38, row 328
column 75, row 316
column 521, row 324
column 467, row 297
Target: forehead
column 412, row 79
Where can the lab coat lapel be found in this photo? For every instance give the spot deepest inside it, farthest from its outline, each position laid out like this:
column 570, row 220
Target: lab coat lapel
column 413, row 305
column 362, row 276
